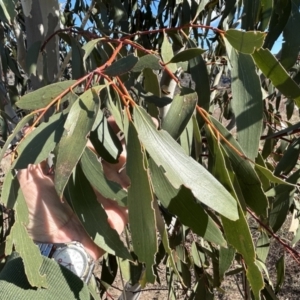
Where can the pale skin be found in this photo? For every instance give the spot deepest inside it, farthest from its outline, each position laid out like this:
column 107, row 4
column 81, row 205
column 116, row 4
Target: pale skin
column 53, row 221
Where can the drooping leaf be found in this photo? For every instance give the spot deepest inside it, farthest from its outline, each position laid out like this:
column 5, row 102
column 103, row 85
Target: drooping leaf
column 280, row 268
column 121, row 66
column 289, row 159
column 262, row 246
column 39, row 143
column 273, row 70
column 186, row 55
column 93, row 216
column 180, row 112
column 93, row 171
column 186, row 171
column 226, row 256
column 148, row 61
column 182, row 203
column 32, row 57
column 198, row 71
column 266, row 13
column 89, row 47
column 7, row 11
column 21, row 241
column 247, row 178
column 167, row 53
column 43, row 96
column 77, row 59
column 284, row 197
column 104, row 140
column 280, row 15
column 77, row 126
column 251, row 9
column 246, row 101
column 291, row 41
column 245, row 42
column 140, row 203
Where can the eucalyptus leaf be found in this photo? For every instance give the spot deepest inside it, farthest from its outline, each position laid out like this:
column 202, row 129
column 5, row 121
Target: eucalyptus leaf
column 43, row 96
column 186, row 171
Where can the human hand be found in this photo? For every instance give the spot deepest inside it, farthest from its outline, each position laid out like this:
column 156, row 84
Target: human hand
column 53, row 221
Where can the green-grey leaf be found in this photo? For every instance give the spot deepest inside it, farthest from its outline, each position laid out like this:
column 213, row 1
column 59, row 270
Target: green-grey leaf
column 186, row 55
column 32, row 57
column 167, row 53
column 246, row 101
column 93, row 171
column 43, row 96
column 140, row 206
column 7, row 11
column 40, row 142
column 245, row 42
column 121, row 66
column 181, row 169
column 248, row 180
column 89, row 47
column 180, row 112
column 147, row 61
column 263, row 246
column 198, row 71
column 77, row 126
column 182, row 204
column 291, row 41
column 93, row 216
column 273, row 70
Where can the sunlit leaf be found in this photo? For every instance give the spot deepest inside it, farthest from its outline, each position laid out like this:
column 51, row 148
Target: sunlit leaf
column 246, row 101
column 245, row 41
column 77, row 126
column 43, row 96
column 181, row 169
column 40, row 142
column 273, row 70
column 147, row 61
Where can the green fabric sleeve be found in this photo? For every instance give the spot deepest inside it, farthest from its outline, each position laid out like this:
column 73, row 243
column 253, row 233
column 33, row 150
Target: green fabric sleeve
column 62, row 283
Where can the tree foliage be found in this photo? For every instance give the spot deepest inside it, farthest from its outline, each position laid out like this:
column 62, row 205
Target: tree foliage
column 223, row 164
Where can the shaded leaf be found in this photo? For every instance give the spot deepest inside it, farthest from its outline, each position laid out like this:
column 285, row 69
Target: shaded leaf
column 104, row 140
column 180, row 112
column 77, row 126
column 280, row 268
column 245, row 42
column 7, row 11
column 198, row 71
column 39, row 143
column 167, row 53
column 226, row 256
column 92, row 215
column 273, row 70
column 280, row 15
column 15, row 134
column 147, row 61
column 93, row 171
column 182, row 203
column 247, row 178
column 140, row 203
column 121, row 66
column 186, row 171
column 266, row 13
column 89, row 47
column 77, row 59
column 32, row 57
column 291, row 41
column 43, row 96
column 186, row 55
